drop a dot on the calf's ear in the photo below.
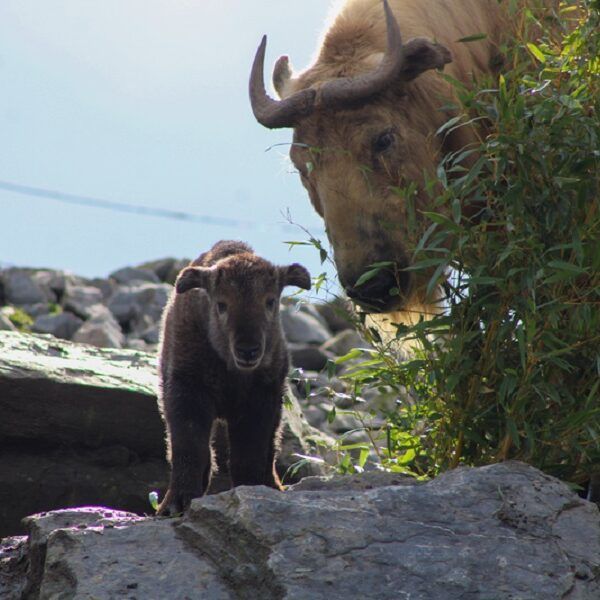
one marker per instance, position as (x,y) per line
(193,277)
(295,275)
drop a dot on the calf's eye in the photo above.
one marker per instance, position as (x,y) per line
(383,141)
(270,303)
(221,308)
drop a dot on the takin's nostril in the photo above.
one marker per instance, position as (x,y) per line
(247,352)
(384,292)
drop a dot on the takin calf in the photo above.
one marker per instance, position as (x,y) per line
(223,357)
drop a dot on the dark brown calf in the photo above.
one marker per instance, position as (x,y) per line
(223,357)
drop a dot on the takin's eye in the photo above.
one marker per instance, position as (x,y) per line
(383,141)
(270,303)
(221,308)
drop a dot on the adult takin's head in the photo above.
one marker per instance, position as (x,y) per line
(243,292)
(365,117)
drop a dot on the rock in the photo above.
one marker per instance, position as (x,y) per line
(101,329)
(41,476)
(337,314)
(79,299)
(345,422)
(128,275)
(36,310)
(62,325)
(6,324)
(151,335)
(302,328)
(362,481)
(13,567)
(310,309)
(506,531)
(64,406)
(166,269)
(343,342)
(137,307)
(57,281)
(56,391)
(81,424)
(106,286)
(315,416)
(309,357)
(134,343)
(20,287)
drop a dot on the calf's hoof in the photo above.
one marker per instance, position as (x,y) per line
(175,503)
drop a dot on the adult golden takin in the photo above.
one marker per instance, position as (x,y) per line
(365,117)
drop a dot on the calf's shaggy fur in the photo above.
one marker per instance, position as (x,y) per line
(223,357)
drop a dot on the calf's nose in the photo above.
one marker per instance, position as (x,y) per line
(247,351)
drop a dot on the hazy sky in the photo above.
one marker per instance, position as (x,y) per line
(145,102)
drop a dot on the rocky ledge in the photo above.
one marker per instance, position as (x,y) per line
(122,311)
(505,532)
(80,425)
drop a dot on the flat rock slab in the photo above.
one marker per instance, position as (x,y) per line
(81,425)
(501,532)
(59,392)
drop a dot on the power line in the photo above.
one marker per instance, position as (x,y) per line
(28,190)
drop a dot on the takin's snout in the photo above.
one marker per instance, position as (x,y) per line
(386,291)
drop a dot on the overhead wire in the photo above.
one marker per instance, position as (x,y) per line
(164,213)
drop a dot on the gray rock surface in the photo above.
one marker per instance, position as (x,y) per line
(138,306)
(81,425)
(6,324)
(338,314)
(101,329)
(62,325)
(128,275)
(301,327)
(344,341)
(503,532)
(79,299)
(20,287)
(166,269)
(309,357)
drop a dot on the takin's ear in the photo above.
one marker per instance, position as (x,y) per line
(420,55)
(295,275)
(193,277)
(282,73)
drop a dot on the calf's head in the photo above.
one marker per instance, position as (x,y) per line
(363,132)
(243,294)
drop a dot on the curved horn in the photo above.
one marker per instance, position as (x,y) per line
(276,113)
(399,63)
(353,89)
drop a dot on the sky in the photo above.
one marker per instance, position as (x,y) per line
(145,103)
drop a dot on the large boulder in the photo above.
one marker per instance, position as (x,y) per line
(128,275)
(24,286)
(504,532)
(101,329)
(81,425)
(80,299)
(139,305)
(61,325)
(301,327)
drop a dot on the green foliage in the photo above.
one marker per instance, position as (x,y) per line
(513,364)
(510,368)
(19,318)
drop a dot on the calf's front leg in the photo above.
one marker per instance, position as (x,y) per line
(252,441)
(189,427)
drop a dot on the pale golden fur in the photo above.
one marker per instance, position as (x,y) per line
(349,186)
